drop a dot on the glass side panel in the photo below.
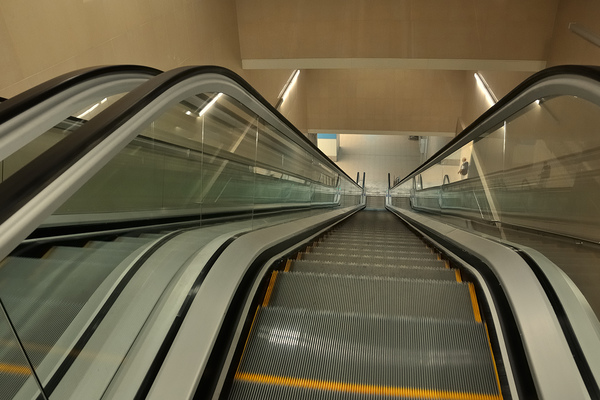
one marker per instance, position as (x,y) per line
(16,377)
(54,134)
(205,158)
(538,173)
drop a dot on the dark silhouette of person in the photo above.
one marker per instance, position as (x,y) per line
(464,168)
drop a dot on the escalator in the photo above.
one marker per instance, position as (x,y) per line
(367,311)
(189,243)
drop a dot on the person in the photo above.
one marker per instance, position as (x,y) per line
(464,168)
(544,174)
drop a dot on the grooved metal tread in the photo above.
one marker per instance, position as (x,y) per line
(374,270)
(368,236)
(375,245)
(369,242)
(374,295)
(367,313)
(384,251)
(408,261)
(342,354)
(330,251)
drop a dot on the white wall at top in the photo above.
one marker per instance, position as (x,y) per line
(377,155)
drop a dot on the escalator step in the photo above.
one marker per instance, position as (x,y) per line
(384,252)
(133,240)
(375,295)
(374,246)
(370,242)
(373,254)
(342,355)
(101,256)
(116,246)
(374,270)
(358,259)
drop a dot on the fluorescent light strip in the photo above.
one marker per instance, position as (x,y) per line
(485,88)
(585,33)
(209,105)
(89,110)
(290,85)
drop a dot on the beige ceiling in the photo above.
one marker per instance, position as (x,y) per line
(393,66)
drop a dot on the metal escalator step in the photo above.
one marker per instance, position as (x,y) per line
(347,354)
(358,259)
(374,270)
(117,246)
(368,235)
(374,246)
(381,250)
(375,242)
(101,256)
(40,321)
(28,268)
(350,252)
(129,239)
(375,295)
(152,236)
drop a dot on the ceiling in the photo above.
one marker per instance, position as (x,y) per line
(392,66)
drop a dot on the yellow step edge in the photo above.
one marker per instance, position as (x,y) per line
(457,274)
(288,265)
(270,289)
(299,256)
(356,388)
(474,302)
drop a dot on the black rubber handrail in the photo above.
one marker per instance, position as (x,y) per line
(591,72)
(13,106)
(30,180)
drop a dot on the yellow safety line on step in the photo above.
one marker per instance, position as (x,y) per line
(15,369)
(361,388)
(457,274)
(487,333)
(474,303)
(439,256)
(447,264)
(299,256)
(270,289)
(288,265)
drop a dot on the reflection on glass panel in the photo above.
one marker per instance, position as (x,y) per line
(205,156)
(16,377)
(54,135)
(229,157)
(539,170)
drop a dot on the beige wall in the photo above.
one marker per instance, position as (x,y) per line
(40,39)
(385,100)
(269,84)
(457,29)
(475,103)
(567,47)
(378,155)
